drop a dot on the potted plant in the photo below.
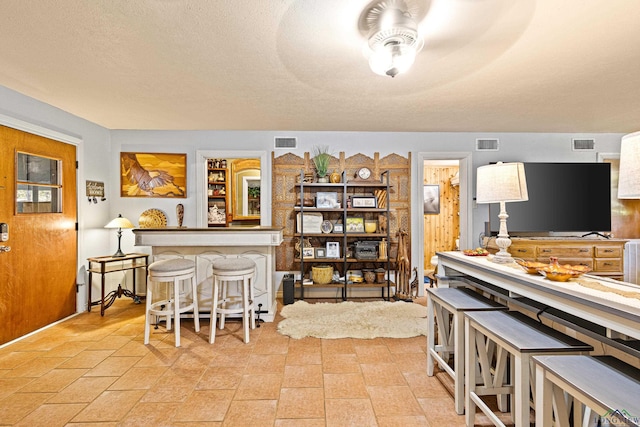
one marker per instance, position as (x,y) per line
(321,158)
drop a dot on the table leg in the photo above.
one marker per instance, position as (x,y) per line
(89,290)
(102,295)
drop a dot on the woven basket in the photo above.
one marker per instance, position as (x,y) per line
(322,274)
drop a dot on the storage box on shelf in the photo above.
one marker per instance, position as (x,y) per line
(604,257)
(347,222)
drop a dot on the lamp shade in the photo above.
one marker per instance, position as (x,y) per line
(629,175)
(119,222)
(501,182)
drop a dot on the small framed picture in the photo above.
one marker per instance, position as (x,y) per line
(326,226)
(327,200)
(355,224)
(337,227)
(364,202)
(307,253)
(333,250)
(321,253)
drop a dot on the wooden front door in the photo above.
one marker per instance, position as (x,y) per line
(38,204)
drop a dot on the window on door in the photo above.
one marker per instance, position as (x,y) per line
(38,184)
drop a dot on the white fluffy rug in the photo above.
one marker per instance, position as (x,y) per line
(350,319)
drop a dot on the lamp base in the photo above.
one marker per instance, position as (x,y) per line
(119,254)
(502,258)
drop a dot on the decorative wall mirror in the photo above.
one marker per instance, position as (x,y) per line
(245,189)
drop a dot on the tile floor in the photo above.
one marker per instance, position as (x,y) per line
(93,370)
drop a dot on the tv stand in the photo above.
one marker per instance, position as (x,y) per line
(595,233)
(605,257)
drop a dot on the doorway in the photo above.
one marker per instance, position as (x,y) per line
(38,206)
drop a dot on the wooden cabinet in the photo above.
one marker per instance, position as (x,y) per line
(344,225)
(217,193)
(604,257)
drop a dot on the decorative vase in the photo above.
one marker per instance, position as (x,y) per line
(334,177)
(323,179)
(180,214)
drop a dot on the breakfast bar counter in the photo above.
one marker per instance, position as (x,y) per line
(609,303)
(203,245)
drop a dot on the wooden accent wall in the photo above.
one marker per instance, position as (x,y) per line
(441,230)
(286,173)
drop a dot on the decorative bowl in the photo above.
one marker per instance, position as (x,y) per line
(322,274)
(559,274)
(531,267)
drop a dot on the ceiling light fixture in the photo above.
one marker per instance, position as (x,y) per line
(393,39)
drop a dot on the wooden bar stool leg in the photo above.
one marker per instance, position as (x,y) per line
(196,309)
(147,317)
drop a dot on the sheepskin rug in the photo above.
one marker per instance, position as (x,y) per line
(348,319)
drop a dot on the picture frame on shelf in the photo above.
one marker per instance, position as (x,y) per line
(333,250)
(364,202)
(355,224)
(326,226)
(308,253)
(327,200)
(338,227)
(321,253)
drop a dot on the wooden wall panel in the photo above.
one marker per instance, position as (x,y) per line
(286,172)
(441,230)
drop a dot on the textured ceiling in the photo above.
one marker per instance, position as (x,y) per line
(487,65)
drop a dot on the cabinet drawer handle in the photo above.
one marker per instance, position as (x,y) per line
(608,250)
(521,250)
(546,250)
(584,250)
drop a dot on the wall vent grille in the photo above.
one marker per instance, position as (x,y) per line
(583,144)
(282,142)
(487,144)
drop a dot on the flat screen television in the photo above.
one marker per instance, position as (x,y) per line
(563,197)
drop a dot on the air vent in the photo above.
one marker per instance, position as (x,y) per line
(286,142)
(583,144)
(485,144)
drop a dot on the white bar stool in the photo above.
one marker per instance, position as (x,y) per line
(171,271)
(227,270)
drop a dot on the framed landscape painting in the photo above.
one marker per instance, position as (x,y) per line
(153,175)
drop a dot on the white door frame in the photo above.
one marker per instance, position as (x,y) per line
(466,202)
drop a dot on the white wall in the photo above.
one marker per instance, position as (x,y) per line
(100,150)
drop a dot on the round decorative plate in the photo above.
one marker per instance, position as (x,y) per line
(153,218)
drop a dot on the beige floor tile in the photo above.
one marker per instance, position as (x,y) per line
(54,380)
(304,358)
(350,412)
(83,390)
(340,364)
(159,394)
(68,349)
(405,421)
(36,367)
(139,378)
(423,385)
(133,348)
(259,386)
(382,374)
(205,405)
(18,405)
(393,401)
(86,359)
(113,366)
(158,357)
(441,411)
(111,342)
(109,406)
(303,376)
(373,354)
(219,378)
(150,414)
(344,386)
(272,345)
(301,403)
(342,346)
(266,364)
(13,359)
(251,413)
(52,415)
(9,386)
(298,422)
(406,345)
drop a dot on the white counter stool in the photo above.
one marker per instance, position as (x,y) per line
(242,271)
(172,272)
(605,385)
(445,308)
(518,337)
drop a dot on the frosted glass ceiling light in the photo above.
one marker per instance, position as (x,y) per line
(393,39)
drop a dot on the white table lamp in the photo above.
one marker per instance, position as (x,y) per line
(501,183)
(629,174)
(120,222)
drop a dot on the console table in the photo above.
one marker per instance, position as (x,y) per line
(604,302)
(108,264)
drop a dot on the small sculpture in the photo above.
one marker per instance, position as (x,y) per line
(180,214)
